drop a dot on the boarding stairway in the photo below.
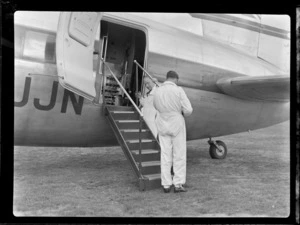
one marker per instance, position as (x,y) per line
(140,147)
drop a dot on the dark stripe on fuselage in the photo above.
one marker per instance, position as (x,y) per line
(245,24)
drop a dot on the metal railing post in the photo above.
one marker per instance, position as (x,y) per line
(136,82)
(136,74)
(103,81)
(145,72)
(140,145)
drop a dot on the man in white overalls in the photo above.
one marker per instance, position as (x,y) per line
(172,105)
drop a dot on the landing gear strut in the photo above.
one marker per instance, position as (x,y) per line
(217,149)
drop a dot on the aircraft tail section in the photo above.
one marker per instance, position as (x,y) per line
(259,88)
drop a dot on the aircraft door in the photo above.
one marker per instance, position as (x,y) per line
(74,51)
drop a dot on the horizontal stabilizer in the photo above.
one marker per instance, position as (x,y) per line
(260,88)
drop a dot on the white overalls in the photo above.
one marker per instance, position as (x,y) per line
(172,103)
(149,111)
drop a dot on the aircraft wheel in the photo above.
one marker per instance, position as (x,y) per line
(218,153)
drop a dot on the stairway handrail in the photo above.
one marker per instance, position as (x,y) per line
(121,86)
(146,73)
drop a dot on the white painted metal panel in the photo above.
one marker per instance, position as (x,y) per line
(275,50)
(239,38)
(74,50)
(81,26)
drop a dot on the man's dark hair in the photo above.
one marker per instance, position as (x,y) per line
(172,74)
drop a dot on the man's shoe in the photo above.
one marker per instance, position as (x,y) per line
(167,190)
(179,189)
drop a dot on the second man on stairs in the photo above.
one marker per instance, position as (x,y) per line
(146,102)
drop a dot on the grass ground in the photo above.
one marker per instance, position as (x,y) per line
(253,180)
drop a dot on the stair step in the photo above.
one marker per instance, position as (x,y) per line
(112,84)
(134,130)
(150,163)
(138,141)
(130,124)
(153,176)
(145,145)
(119,108)
(145,151)
(110,78)
(125,115)
(131,134)
(111,90)
(120,112)
(150,167)
(109,95)
(153,182)
(146,155)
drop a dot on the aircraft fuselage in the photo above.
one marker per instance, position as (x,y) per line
(46,114)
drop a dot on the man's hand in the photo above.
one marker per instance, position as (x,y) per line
(138,95)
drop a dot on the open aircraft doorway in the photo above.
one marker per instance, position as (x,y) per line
(118,47)
(85,43)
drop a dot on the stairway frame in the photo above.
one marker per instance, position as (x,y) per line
(143,182)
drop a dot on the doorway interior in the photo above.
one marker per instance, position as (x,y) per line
(118,46)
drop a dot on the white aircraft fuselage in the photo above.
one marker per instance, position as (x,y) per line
(47,114)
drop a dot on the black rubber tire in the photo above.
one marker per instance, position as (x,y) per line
(215,153)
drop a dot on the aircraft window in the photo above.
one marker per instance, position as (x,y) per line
(39,46)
